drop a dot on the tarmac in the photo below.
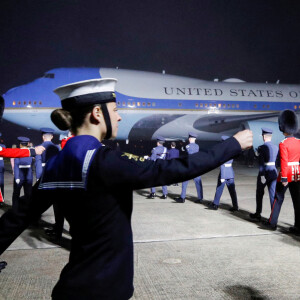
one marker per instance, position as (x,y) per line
(182,251)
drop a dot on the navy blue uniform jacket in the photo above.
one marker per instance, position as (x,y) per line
(93,186)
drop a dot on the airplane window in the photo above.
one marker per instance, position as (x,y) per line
(179,104)
(201,104)
(219,105)
(295,106)
(24,102)
(118,103)
(144,103)
(123,103)
(19,102)
(153,104)
(34,102)
(148,104)
(205,104)
(255,106)
(228,105)
(138,103)
(40,102)
(29,102)
(268,106)
(128,104)
(237,106)
(232,105)
(133,103)
(224,105)
(196,105)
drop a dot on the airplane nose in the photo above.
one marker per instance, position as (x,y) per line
(2,105)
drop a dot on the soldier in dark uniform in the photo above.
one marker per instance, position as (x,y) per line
(191,148)
(40,161)
(101,258)
(226,176)
(289,175)
(267,174)
(50,150)
(173,152)
(159,152)
(23,176)
(2,169)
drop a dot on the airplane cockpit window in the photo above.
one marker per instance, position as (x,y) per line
(49,75)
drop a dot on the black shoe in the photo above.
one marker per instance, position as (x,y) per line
(233,209)
(213,206)
(179,200)
(3,264)
(175,184)
(269,226)
(163,197)
(294,230)
(53,234)
(198,201)
(255,216)
(151,196)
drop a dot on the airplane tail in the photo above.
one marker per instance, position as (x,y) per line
(1,197)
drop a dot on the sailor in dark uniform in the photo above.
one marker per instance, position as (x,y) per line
(23,176)
(101,258)
(267,174)
(2,169)
(173,152)
(50,150)
(226,176)
(191,148)
(159,152)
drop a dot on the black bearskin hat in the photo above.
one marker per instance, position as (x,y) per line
(288,121)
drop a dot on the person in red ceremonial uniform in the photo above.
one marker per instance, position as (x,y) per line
(289,175)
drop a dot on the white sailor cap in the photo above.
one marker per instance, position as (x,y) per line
(87,92)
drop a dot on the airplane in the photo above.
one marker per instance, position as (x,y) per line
(158,104)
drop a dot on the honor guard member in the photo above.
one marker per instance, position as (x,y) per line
(159,152)
(23,176)
(226,176)
(13,153)
(191,148)
(289,175)
(85,172)
(2,169)
(267,174)
(50,150)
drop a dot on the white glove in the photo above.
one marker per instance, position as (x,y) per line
(222,180)
(17,181)
(262,179)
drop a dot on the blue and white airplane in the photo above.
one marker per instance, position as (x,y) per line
(153,104)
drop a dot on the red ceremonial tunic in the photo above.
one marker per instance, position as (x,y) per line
(14,152)
(289,150)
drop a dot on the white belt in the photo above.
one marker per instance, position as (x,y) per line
(270,164)
(43,164)
(227,165)
(24,166)
(294,163)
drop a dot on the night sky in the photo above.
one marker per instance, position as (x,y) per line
(256,41)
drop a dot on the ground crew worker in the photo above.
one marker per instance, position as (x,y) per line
(289,175)
(101,257)
(267,174)
(226,176)
(191,148)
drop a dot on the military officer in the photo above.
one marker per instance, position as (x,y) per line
(226,176)
(289,175)
(191,148)
(159,152)
(50,150)
(267,174)
(100,263)
(23,176)
(2,169)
